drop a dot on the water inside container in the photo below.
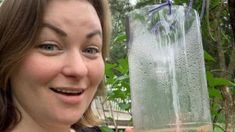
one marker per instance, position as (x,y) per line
(167,72)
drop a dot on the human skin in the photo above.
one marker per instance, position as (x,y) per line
(129,130)
(67,56)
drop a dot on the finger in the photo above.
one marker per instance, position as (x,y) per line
(129,130)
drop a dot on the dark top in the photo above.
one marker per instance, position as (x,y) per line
(91,129)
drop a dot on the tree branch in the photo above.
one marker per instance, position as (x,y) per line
(220,51)
(231,66)
(208,21)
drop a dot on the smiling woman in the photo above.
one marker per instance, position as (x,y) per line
(52,56)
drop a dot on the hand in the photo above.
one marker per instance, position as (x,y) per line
(129,130)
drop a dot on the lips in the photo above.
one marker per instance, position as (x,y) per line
(67,91)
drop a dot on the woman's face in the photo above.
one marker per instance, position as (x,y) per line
(58,78)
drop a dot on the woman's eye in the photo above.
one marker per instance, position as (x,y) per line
(49,47)
(91,50)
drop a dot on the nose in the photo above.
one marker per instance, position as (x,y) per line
(75,65)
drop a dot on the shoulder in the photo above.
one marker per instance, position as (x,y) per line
(91,129)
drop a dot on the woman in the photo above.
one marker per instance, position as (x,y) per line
(52,56)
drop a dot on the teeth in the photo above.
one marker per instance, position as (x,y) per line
(67,91)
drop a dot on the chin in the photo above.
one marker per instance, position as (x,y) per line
(68,122)
(68,119)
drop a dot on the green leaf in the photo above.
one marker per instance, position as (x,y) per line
(123,65)
(210,79)
(208,57)
(218,129)
(213,81)
(108,69)
(124,77)
(222,82)
(106,129)
(214,93)
(120,38)
(123,62)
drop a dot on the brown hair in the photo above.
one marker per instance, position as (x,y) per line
(20,22)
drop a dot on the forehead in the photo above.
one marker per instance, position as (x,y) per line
(71,12)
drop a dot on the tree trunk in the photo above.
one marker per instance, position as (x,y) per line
(226,92)
(228,108)
(231,6)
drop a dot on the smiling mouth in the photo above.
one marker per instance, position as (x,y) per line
(67,92)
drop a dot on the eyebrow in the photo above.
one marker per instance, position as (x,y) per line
(63,33)
(56,29)
(96,32)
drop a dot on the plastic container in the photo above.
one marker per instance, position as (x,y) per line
(167,71)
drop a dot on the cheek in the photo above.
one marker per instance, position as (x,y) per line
(38,68)
(97,72)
